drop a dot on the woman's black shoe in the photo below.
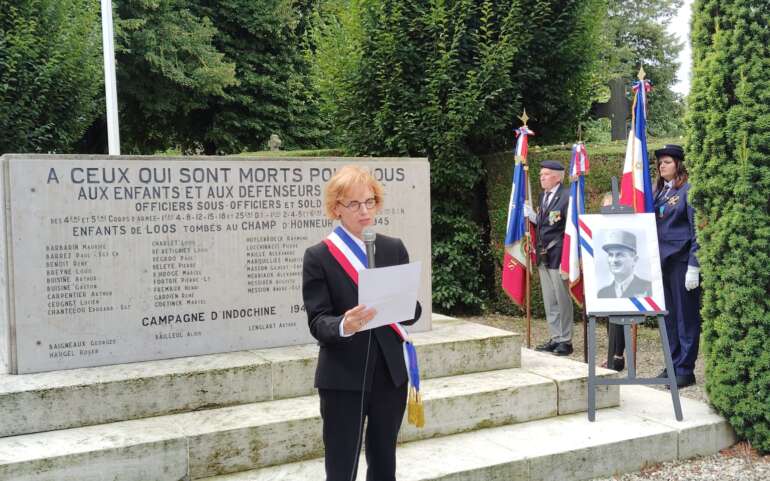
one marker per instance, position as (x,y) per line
(685,380)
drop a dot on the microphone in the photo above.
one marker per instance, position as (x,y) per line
(369,236)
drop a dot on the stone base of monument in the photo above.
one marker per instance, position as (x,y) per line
(494,411)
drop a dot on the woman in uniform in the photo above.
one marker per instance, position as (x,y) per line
(679,263)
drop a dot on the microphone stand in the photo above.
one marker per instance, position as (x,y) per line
(369,238)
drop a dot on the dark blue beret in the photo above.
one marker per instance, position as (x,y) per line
(551,164)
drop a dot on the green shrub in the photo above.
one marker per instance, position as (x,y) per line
(729,162)
(50,73)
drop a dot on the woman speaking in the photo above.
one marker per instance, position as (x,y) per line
(681,272)
(360,374)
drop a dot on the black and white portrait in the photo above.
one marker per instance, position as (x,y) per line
(621,274)
(621,263)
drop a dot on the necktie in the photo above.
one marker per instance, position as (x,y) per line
(666,189)
(546,199)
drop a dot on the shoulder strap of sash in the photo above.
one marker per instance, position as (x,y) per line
(346,252)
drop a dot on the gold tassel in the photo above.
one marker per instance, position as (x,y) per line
(415,410)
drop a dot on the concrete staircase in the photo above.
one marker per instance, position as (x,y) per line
(493,410)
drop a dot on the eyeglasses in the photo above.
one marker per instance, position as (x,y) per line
(354,205)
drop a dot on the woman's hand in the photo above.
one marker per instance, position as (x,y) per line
(355,319)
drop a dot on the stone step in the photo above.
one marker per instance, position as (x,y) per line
(640,433)
(82,397)
(244,437)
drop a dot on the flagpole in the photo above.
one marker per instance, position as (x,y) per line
(110,84)
(528,283)
(583,310)
(528,275)
(573,179)
(640,76)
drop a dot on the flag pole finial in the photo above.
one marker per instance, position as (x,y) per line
(580,131)
(524,117)
(642,73)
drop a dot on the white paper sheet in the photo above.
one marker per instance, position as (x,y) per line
(391,290)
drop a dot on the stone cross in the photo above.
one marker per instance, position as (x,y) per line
(616,109)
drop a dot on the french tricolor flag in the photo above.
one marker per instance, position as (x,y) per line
(570,254)
(516,247)
(636,186)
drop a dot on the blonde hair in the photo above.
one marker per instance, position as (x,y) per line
(344,180)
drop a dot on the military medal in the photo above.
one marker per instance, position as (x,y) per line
(554,216)
(673,200)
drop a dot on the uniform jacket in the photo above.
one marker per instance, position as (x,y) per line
(637,288)
(328,292)
(551,223)
(676,227)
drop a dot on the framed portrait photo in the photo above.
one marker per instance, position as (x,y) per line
(621,264)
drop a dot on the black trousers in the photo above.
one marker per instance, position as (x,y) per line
(616,341)
(383,409)
(683,321)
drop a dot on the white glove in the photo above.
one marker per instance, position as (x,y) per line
(530,213)
(692,278)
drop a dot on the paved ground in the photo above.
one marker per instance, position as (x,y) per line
(650,354)
(739,463)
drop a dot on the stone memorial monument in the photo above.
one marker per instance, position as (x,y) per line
(109,260)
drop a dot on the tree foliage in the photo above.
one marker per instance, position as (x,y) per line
(333,53)
(50,73)
(559,66)
(635,34)
(729,159)
(446,79)
(214,77)
(264,39)
(167,68)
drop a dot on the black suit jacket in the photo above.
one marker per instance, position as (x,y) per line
(637,288)
(328,292)
(550,235)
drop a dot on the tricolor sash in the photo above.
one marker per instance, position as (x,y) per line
(352,259)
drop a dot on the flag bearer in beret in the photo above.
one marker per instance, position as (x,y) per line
(551,220)
(679,263)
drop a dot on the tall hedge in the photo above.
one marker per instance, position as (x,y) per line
(446,80)
(729,161)
(50,73)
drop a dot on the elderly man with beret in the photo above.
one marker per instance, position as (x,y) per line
(551,220)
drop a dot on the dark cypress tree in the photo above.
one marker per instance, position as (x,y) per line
(729,160)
